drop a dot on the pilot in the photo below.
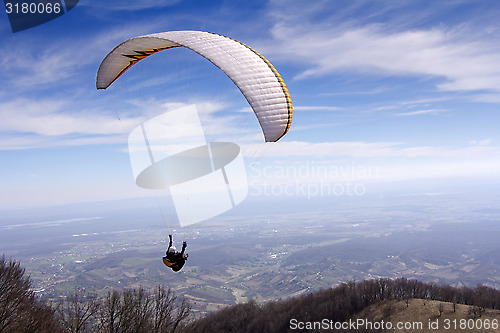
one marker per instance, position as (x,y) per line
(174,259)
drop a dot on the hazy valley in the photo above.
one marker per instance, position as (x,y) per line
(257,253)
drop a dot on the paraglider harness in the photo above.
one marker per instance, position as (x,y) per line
(173,259)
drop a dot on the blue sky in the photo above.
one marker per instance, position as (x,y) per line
(382,91)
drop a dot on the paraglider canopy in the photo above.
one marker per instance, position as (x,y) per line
(255,76)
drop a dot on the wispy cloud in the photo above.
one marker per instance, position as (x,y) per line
(487,98)
(316,108)
(30,64)
(374,91)
(360,149)
(53,118)
(32,141)
(57,122)
(321,162)
(421,112)
(462,58)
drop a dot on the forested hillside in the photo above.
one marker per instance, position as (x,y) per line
(136,310)
(338,305)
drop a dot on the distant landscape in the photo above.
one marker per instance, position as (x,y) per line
(257,252)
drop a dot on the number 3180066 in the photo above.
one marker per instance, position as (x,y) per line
(32,8)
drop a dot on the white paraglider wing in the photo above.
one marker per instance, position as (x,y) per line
(256,77)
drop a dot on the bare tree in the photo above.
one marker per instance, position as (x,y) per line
(136,314)
(77,312)
(132,310)
(163,309)
(136,310)
(109,313)
(182,314)
(20,310)
(14,290)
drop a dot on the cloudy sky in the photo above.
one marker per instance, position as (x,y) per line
(382,91)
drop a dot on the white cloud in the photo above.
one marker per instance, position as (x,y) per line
(316,108)
(483,142)
(56,122)
(53,118)
(461,57)
(374,91)
(361,149)
(29,63)
(487,98)
(421,112)
(305,162)
(30,141)
(53,122)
